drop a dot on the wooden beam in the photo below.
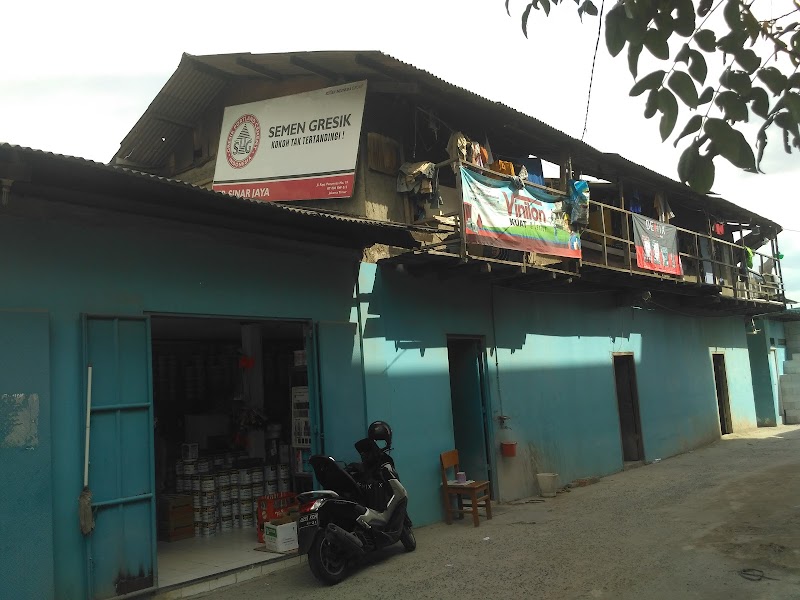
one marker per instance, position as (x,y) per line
(261,70)
(315,69)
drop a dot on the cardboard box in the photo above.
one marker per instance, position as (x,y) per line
(280,535)
(179,533)
(175,511)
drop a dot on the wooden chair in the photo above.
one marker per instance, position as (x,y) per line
(477,492)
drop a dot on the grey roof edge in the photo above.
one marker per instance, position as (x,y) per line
(382,231)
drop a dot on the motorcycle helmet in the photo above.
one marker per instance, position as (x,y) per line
(380,431)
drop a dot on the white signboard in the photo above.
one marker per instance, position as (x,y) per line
(300,147)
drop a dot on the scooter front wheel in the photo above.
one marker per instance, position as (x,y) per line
(327,563)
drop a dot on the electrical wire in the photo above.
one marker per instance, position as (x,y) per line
(591,77)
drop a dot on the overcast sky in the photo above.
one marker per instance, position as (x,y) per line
(77,76)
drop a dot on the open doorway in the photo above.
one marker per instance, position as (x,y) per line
(232,424)
(467,377)
(628,403)
(723,401)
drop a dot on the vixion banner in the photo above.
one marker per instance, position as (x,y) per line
(299,147)
(500,215)
(656,245)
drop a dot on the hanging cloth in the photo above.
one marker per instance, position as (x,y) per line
(489,156)
(719,229)
(662,208)
(748,257)
(457,148)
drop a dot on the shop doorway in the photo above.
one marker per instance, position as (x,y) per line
(628,404)
(233,419)
(723,401)
(468,399)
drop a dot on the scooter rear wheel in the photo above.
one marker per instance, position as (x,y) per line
(327,564)
(407,539)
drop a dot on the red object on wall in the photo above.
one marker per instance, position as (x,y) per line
(508,449)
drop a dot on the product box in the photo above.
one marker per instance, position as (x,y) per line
(280,535)
(175,517)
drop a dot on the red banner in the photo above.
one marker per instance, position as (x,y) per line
(307,188)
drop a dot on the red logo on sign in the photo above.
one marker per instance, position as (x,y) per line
(243,140)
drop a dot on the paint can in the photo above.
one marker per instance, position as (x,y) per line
(270,473)
(246,508)
(225,509)
(244,477)
(195,483)
(247,520)
(219,461)
(189,468)
(283,472)
(207,483)
(284,485)
(179,468)
(234,492)
(179,485)
(196,500)
(235,508)
(197,527)
(208,529)
(208,499)
(237,522)
(203,466)
(224,478)
(207,515)
(226,523)
(245,492)
(256,475)
(271,488)
(234,477)
(258,490)
(186,484)
(224,494)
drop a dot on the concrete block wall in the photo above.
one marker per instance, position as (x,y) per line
(790,380)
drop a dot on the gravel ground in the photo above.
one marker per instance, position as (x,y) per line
(681,528)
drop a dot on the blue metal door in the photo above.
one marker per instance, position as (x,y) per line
(122,548)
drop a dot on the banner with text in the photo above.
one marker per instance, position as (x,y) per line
(299,147)
(656,245)
(531,220)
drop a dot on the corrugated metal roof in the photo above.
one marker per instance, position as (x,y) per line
(198,79)
(79,174)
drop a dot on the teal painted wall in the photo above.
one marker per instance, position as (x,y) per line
(548,357)
(67,269)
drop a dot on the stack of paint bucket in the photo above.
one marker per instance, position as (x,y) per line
(235,512)
(246,498)
(223,480)
(208,505)
(194,486)
(257,479)
(284,481)
(271,480)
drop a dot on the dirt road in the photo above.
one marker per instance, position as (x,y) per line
(681,528)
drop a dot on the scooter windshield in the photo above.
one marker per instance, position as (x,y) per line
(332,477)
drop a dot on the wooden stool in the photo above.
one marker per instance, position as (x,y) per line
(471,491)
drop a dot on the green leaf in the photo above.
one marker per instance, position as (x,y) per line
(793,104)
(684,21)
(656,42)
(732,13)
(663,21)
(648,82)
(634,50)
(775,80)
(733,105)
(701,177)
(703,7)
(651,106)
(794,81)
(634,28)
(683,54)
(761,144)
(507,9)
(683,86)
(784,120)
(692,125)
(759,102)
(546,6)
(669,111)
(786,145)
(686,162)
(739,82)
(749,60)
(615,38)
(731,144)
(590,8)
(706,40)
(526,13)
(706,97)
(697,66)
(733,43)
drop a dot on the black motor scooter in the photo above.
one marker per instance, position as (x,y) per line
(348,519)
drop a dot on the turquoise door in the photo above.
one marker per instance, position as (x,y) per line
(469,407)
(121,551)
(340,405)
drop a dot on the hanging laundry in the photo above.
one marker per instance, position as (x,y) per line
(748,257)
(719,228)
(534,168)
(489,156)
(636,203)
(579,199)
(457,148)
(502,166)
(662,208)
(474,154)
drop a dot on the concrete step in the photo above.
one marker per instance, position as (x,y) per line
(792,417)
(792,367)
(790,403)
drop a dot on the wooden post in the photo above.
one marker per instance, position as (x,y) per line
(463,224)
(713,251)
(778,270)
(628,222)
(605,239)
(746,285)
